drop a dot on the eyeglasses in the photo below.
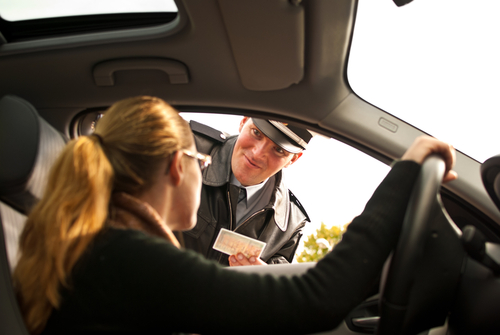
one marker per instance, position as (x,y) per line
(203,160)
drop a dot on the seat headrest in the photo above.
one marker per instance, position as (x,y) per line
(28,148)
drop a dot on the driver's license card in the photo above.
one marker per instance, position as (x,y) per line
(231,243)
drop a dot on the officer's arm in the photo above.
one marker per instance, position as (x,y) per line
(298,219)
(287,252)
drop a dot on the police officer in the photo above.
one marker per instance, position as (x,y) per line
(243,189)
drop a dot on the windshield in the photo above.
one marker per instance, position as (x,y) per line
(434,64)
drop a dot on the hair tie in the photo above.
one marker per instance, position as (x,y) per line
(99,138)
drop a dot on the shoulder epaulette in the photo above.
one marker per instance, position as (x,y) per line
(207,131)
(296,201)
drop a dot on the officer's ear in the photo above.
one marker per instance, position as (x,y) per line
(242,122)
(294,158)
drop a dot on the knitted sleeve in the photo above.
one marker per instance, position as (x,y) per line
(135,282)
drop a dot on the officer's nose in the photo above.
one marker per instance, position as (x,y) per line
(260,148)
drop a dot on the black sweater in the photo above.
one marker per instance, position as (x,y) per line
(129,282)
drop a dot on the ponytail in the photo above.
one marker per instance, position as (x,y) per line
(131,140)
(60,227)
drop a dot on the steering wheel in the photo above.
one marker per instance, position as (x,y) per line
(422,205)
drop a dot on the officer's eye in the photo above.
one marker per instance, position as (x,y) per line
(256,132)
(281,152)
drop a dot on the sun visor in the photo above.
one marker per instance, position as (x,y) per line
(268,45)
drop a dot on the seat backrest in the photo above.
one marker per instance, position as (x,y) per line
(28,148)
(11,321)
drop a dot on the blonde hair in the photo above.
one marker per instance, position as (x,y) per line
(132,139)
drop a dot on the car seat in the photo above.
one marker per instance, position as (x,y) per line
(28,148)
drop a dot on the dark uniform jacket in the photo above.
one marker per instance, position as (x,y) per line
(279,224)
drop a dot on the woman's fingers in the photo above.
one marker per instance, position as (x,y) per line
(424,146)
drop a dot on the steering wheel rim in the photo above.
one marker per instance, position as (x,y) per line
(408,253)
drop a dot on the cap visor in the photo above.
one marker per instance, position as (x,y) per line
(276,136)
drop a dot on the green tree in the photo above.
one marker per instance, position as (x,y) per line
(318,244)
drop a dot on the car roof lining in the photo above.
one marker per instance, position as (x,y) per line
(200,35)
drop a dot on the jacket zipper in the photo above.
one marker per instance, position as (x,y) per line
(230,218)
(249,218)
(230,211)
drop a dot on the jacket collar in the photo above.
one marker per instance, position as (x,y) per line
(281,201)
(219,173)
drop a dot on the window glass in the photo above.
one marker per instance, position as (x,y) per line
(332,180)
(18,10)
(434,64)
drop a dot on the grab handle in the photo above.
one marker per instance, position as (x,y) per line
(103,72)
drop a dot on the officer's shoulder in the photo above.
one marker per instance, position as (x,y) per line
(200,129)
(296,202)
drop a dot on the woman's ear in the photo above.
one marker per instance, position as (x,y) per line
(176,170)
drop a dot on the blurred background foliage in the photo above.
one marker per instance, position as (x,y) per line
(318,244)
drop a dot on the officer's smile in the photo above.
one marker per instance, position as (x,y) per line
(251,163)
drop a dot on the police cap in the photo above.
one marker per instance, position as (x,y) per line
(290,138)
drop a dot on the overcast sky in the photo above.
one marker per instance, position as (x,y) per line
(435,64)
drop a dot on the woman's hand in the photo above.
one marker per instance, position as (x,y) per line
(240,259)
(424,146)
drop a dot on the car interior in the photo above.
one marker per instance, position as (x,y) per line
(283,60)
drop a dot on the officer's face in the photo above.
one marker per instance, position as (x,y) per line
(255,157)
